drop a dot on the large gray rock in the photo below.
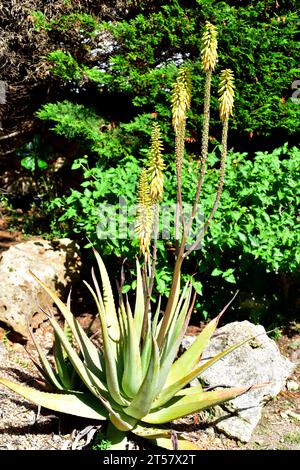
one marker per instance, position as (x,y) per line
(55,263)
(257,361)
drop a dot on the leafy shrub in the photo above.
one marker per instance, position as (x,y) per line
(258,41)
(256,229)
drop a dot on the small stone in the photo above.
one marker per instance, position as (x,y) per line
(292,385)
(210,431)
(283,415)
(259,442)
(295,345)
(293,414)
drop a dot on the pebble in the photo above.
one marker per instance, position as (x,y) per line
(210,431)
(293,414)
(292,385)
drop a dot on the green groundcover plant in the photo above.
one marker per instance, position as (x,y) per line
(136,380)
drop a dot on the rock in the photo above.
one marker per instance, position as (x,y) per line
(2,352)
(57,263)
(257,361)
(293,414)
(292,386)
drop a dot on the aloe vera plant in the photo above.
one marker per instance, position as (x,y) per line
(136,380)
(131,382)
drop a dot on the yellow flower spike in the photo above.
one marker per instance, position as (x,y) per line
(144,214)
(226,92)
(181,97)
(156,165)
(209,55)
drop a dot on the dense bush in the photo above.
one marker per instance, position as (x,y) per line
(255,230)
(135,58)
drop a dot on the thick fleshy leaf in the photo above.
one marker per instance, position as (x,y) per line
(139,303)
(180,312)
(163,438)
(77,404)
(91,381)
(168,392)
(45,368)
(64,368)
(92,356)
(181,443)
(109,355)
(183,405)
(174,338)
(146,349)
(132,374)
(190,358)
(109,303)
(142,402)
(118,440)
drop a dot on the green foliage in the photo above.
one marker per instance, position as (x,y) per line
(257,41)
(34,155)
(65,66)
(256,222)
(40,22)
(75,121)
(101,443)
(258,211)
(84,23)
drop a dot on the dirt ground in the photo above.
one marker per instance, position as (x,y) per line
(23,427)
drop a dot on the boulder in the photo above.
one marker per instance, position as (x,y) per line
(258,361)
(57,263)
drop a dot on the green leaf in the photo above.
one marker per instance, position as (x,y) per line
(190,358)
(132,375)
(126,288)
(216,272)
(142,402)
(111,319)
(28,163)
(162,438)
(77,404)
(46,368)
(181,406)
(230,279)
(139,303)
(109,353)
(90,353)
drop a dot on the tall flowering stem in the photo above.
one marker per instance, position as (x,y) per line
(181,101)
(209,59)
(144,215)
(156,182)
(226,102)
